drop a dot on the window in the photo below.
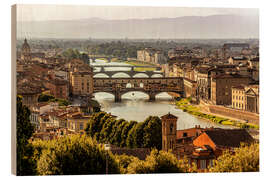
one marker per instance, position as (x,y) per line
(211,162)
(171,128)
(184,134)
(81,126)
(203,164)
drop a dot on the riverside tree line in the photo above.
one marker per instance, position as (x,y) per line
(85,154)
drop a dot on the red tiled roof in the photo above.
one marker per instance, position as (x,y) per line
(239,87)
(229,137)
(169,116)
(229,76)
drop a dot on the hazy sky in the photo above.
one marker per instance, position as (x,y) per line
(67,12)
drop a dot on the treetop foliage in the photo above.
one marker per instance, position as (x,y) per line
(158,162)
(73,155)
(243,159)
(106,129)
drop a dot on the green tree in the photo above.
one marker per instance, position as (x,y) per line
(139,134)
(125,132)
(153,133)
(75,155)
(24,130)
(116,132)
(130,142)
(95,124)
(124,161)
(45,98)
(157,162)
(107,129)
(243,159)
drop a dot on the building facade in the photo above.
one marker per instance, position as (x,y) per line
(77,122)
(168,132)
(200,145)
(246,98)
(59,88)
(151,55)
(81,83)
(221,84)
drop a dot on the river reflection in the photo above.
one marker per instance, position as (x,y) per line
(135,106)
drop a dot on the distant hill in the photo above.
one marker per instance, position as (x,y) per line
(217,26)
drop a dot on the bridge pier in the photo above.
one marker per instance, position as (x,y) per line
(102,69)
(117,97)
(152,96)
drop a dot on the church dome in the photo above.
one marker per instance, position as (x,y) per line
(25,46)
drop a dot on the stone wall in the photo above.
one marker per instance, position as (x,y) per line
(238,114)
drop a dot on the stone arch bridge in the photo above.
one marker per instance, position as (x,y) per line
(150,86)
(130,73)
(94,57)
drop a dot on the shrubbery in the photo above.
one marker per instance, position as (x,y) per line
(244,159)
(50,98)
(158,162)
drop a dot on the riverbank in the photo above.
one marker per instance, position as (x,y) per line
(185,105)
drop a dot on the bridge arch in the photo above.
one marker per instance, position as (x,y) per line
(101,75)
(125,73)
(96,93)
(140,91)
(156,75)
(140,73)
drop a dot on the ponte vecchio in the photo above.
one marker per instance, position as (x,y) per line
(151,86)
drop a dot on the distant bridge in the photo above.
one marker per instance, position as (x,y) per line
(150,86)
(94,57)
(130,73)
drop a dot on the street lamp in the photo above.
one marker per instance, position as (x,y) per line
(107,149)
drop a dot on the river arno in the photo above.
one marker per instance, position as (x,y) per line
(135,105)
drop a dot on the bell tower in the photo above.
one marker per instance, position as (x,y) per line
(169,122)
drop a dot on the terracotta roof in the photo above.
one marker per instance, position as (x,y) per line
(140,153)
(231,75)
(255,59)
(229,137)
(28,88)
(239,87)
(169,116)
(57,81)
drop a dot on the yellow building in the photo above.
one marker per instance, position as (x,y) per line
(238,97)
(77,122)
(246,98)
(81,83)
